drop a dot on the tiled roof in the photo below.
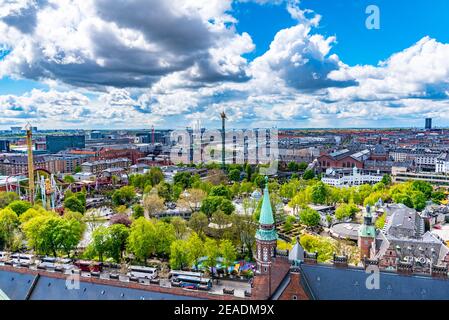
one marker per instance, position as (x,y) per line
(330,283)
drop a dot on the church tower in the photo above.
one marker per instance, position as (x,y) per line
(367,234)
(266,237)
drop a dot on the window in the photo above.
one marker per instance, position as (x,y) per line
(295,297)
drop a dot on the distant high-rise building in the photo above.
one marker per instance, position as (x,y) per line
(428,123)
(59,143)
(4,146)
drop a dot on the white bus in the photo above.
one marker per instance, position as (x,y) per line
(176,273)
(142,272)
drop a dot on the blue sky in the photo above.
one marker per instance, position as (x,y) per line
(100,64)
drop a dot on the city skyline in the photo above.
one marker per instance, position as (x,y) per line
(289,64)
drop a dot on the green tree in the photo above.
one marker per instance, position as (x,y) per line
(212,251)
(293,166)
(70,231)
(165,190)
(7,197)
(74,204)
(309,217)
(212,204)
(195,248)
(438,196)
(308,175)
(78,169)
(100,242)
(118,237)
(198,222)
(69,179)
(320,193)
(234,175)
(141,241)
(303,166)
(179,258)
(123,196)
(153,204)
(19,206)
(220,191)
(323,246)
(9,222)
(228,253)
(138,211)
(180,227)
(386,180)
(345,211)
(380,221)
(183,179)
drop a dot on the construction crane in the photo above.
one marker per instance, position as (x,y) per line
(29,140)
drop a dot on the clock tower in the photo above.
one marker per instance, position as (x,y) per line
(266,238)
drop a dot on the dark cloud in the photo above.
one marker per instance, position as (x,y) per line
(25,19)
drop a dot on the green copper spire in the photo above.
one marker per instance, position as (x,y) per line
(266,213)
(266,231)
(367,229)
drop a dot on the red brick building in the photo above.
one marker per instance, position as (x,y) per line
(131,154)
(343,159)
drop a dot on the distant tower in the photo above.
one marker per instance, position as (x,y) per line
(266,238)
(223,139)
(29,140)
(428,123)
(367,234)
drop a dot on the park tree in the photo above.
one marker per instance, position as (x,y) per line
(345,211)
(180,227)
(153,204)
(438,196)
(19,206)
(100,242)
(141,241)
(293,166)
(309,217)
(321,245)
(156,176)
(165,190)
(302,166)
(213,203)
(70,232)
(120,219)
(123,196)
(320,193)
(386,180)
(9,221)
(179,258)
(217,177)
(183,179)
(138,211)
(228,253)
(212,251)
(380,221)
(308,175)
(69,179)
(244,230)
(220,191)
(74,204)
(118,237)
(191,199)
(198,222)
(7,197)
(234,175)
(195,249)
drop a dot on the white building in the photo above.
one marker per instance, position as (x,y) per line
(442,163)
(353,177)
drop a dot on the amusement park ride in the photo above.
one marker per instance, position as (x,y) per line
(41,183)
